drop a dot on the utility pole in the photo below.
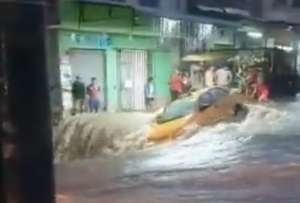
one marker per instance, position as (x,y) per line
(24,23)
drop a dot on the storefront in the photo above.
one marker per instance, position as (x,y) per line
(121,65)
(133,72)
(122,47)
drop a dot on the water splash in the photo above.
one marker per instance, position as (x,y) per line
(226,144)
(256,160)
(90,136)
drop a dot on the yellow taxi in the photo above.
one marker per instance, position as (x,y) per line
(206,107)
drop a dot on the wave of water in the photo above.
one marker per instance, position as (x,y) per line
(268,132)
(107,134)
(87,137)
(256,160)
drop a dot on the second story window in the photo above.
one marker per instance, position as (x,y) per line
(150,3)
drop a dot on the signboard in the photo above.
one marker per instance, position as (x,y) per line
(128,84)
(91,40)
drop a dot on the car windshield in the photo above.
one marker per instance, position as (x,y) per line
(178,109)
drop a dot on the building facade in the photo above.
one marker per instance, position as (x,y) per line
(123,42)
(119,46)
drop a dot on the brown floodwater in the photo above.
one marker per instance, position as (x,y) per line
(253,161)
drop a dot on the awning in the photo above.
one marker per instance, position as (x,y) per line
(209,56)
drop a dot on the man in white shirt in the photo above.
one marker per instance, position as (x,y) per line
(223,77)
(210,77)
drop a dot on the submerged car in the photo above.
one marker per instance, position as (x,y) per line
(204,108)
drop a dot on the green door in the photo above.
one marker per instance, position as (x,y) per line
(162,70)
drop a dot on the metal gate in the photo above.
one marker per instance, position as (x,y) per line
(133,77)
(88,64)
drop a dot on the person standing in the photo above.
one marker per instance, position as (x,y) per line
(187,83)
(210,77)
(149,93)
(93,93)
(78,95)
(224,77)
(261,90)
(251,81)
(176,85)
(197,76)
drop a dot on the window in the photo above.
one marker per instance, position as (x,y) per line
(150,3)
(296,3)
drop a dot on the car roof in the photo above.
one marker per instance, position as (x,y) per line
(196,94)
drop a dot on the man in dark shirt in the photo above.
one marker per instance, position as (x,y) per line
(78,94)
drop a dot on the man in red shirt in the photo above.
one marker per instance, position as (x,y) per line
(93,93)
(176,85)
(262,91)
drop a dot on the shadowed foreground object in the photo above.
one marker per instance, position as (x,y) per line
(24,28)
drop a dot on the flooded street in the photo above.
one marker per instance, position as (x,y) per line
(254,161)
(150,101)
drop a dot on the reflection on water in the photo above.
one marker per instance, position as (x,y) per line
(254,161)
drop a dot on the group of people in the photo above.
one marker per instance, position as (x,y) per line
(218,77)
(180,83)
(79,93)
(250,82)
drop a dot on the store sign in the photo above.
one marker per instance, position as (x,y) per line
(91,40)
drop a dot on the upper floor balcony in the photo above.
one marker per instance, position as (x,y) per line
(222,11)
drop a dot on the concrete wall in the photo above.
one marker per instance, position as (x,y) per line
(113,87)
(162,70)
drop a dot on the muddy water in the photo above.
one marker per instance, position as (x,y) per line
(254,161)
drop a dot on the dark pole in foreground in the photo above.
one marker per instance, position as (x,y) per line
(29,98)
(2,94)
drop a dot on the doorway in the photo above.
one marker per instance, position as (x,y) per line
(133,77)
(88,64)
